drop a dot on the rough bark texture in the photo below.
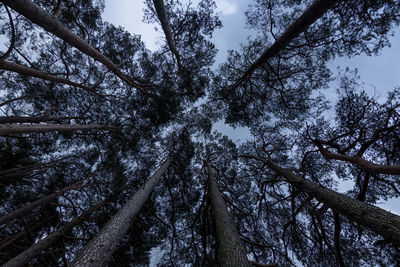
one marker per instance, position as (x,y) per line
(163,18)
(310,15)
(41,128)
(230,250)
(379,220)
(51,24)
(102,246)
(25,256)
(27,208)
(21,69)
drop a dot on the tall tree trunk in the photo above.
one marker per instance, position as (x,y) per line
(379,220)
(41,128)
(51,24)
(24,210)
(317,9)
(22,119)
(163,18)
(21,69)
(25,256)
(231,251)
(102,246)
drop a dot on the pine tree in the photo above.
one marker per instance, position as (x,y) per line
(88,112)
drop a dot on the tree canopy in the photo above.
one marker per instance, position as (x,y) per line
(107,154)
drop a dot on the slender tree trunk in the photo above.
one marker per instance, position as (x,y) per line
(363,188)
(163,18)
(19,171)
(18,68)
(21,119)
(12,100)
(379,220)
(338,250)
(25,256)
(317,9)
(11,239)
(41,128)
(99,250)
(51,24)
(231,251)
(24,210)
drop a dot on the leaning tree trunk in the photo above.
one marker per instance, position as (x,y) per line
(21,69)
(50,23)
(379,220)
(317,9)
(25,256)
(20,171)
(163,18)
(230,250)
(25,209)
(41,128)
(23,119)
(102,246)
(27,231)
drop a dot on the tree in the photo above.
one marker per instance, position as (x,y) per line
(88,112)
(99,250)
(230,248)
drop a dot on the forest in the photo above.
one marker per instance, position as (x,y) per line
(109,155)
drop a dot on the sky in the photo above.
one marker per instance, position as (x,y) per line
(379,73)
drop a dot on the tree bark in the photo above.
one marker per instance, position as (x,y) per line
(21,69)
(317,9)
(99,250)
(361,163)
(41,128)
(25,256)
(230,250)
(379,220)
(51,24)
(22,119)
(24,210)
(163,18)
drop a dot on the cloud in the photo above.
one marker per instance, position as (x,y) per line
(227,7)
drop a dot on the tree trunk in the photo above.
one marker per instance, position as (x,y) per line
(20,171)
(41,128)
(379,220)
(21,119)
(24,210)
(230,250)
(163,18)
(102,246)
(25,256)
(11,239)
(51,24)
(310,15)
(18,68)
